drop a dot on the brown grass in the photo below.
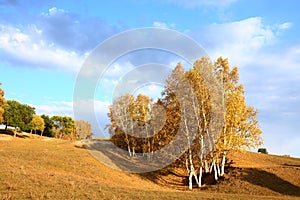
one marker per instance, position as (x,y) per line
(35,168)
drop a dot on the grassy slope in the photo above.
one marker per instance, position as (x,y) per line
(52,169)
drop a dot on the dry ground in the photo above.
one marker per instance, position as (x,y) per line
(42,168)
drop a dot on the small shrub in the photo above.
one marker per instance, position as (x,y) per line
(262,150)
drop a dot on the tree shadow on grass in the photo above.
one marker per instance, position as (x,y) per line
(165,177)
(180,181)
(10,132)
(114,157)
(271,181)
(292,165)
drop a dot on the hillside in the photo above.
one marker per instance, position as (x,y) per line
(43,168)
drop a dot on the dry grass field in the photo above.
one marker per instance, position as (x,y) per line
(43,168)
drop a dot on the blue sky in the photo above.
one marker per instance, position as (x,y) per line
(44,43)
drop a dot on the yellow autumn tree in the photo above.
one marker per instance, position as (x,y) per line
(241,128)
(37,124)
(2,104)
(189,103)
(120,114)
(141,116)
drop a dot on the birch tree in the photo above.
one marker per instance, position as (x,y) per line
(142,119)
(121,119)
(83,129)
(179,85)
(188,102)
(241,129)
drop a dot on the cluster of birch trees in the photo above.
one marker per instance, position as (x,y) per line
(140,125)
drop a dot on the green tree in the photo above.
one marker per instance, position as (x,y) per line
(38,124)
(262,150)
(18,115)
(64,127)
(48,126)
(2,104)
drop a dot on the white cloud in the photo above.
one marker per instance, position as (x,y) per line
(118,69)
(28,48)
(269,71)
(285,25)
(53,11)
(164,25)
(152,90)
(62,108)
(236,38)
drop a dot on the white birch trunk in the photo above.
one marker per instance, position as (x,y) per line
(215,170)
(218,169)
(149,150)
(200,177)
(190,181)
(206,167)
(129,151)
(192,173)
(201,162)
(223,164)
(211,167)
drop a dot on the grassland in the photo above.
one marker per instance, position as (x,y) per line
(42,168)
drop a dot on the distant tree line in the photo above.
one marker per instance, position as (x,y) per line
(130,116)
(23,118)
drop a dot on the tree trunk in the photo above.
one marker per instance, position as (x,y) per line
(215,170)
(223,164)
(206,167)
(200,177)
(149,150)
(15,133)
(152,148)
(5,128)
(211,167)
(190,180)
(42,133)
(201,161)
(218,169)
(129,150)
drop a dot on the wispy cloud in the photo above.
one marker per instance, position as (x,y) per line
(26,47)
(164,25)
(62,108)
(234,38)
(58,39)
